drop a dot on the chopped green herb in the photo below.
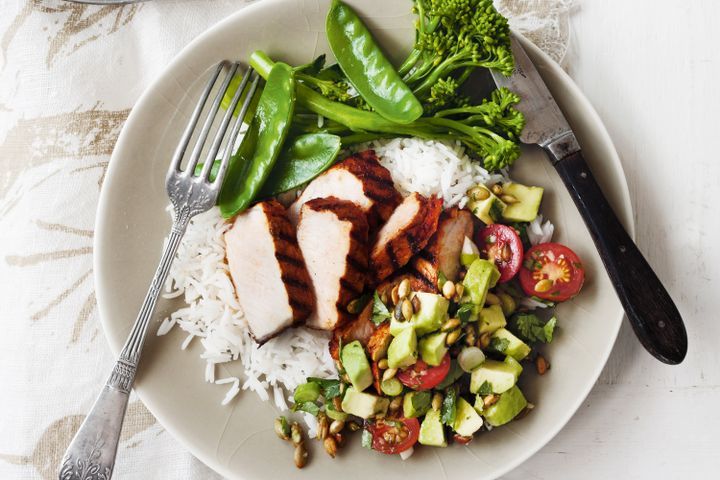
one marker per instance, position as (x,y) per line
(531,329)
(421,401)
(380,311)
(486,388)
(448,410)
(499,344)
(465,311)
(367,439)
(330,387)
(309,407)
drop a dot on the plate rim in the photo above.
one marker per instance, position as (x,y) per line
(626,215)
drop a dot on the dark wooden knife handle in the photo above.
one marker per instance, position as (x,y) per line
(651,311)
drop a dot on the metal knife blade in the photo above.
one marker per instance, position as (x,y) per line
(546,125)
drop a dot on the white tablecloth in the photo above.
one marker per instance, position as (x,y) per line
(69,75)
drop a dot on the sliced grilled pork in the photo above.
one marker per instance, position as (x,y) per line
(268,270)
(406,232)
(360,179)
(442,253)
(333,237)
(359,328)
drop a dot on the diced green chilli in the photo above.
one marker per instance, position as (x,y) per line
(367,68)
(307,392)
(391,387)
(262,143)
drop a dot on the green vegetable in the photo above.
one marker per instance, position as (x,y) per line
(467,420)
(262,143)
(489,129)
(301,160)
(511,403)
(367,68)
(503,341)
(470,358)
(531,329)
(449,407)
(309,407)
(416,404)
(432,432)
(499,344)
(334,414)
(455,373)
(356,365)
(485,389)
(307,392)
(329,387)
(380,312)
(391,386)
(455,36)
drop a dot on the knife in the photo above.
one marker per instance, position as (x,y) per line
(652,313)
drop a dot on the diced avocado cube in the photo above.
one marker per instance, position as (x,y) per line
(510,404)
(512,345)
(356,365)
(480,277)
(432,313)
(527,205)
(416,404)
(491,318)
(467,420)
(402,351)
(469,252)
(489,209)
(499,376)
(433,348)
(514,364)
(363,405)
(432,432)
(397,326)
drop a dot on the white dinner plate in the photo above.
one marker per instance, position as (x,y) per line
(238,440)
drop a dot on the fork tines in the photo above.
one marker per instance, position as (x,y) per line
(242,92)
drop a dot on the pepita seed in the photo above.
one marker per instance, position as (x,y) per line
(490,400)
(354,426)
(296,433)
(541,365)
(416,303)
(448,290)
(484,341)
(337,403)
(322,426)
(389,373)
(509,199)
(453,337)
(404,288)
(450,324)
(330,446)
(479,194)
(470,335)
(355,306)
(300,456)
(384,297)
(492,299)
(398,313)
(459,290)
(336,426)
(543,285)
(282,429)
(383,364)
(395,404)
(407,309)
(437,401)
(507,303)
(497,189)
(395,294)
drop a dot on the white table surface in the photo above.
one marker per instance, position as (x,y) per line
(651,70)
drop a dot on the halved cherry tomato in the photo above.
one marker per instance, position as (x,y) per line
(552,271)
(394,435)
(422,376)
(502,245)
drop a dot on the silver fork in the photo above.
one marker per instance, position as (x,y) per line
(91,454)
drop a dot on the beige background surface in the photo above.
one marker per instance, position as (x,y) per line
(69,74)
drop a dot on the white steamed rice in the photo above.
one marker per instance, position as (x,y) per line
(200,275)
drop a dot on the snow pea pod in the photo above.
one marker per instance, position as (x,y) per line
(301,160)
(367,68)
(262,143)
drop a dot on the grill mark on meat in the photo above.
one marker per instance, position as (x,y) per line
(348,285)
(294,261)
(357,264)
(421,276)
(292,281)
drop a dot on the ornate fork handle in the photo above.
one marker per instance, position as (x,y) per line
(91,454)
